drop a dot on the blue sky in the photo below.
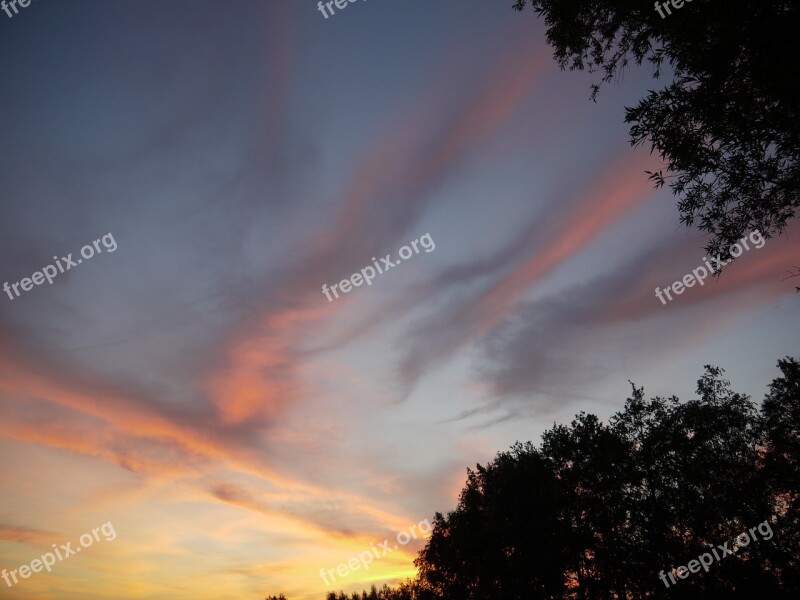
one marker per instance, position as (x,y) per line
(196,388)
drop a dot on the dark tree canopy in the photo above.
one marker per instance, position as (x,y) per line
(727,125)
(493,545)
(599,509)
(409,590)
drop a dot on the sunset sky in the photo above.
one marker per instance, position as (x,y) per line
(195,387)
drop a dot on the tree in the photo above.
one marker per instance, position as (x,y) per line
(727,125)
(695,482)
(505,539)
(407,590)
(592,465)
(781,417)
(795,273)
(600,509)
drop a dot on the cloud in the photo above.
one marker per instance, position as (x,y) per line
(384,197)
(20,533)
(472,314)
(536,351)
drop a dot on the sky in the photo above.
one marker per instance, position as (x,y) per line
(190,383)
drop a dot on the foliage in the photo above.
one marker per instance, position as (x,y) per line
(727,125)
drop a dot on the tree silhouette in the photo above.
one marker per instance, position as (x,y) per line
(409,590)
(481,548)
(600,510)
(781,418)
(795,273)
(727,125)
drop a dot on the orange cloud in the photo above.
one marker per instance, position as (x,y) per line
(18,533)
(615,193)
(259,379)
